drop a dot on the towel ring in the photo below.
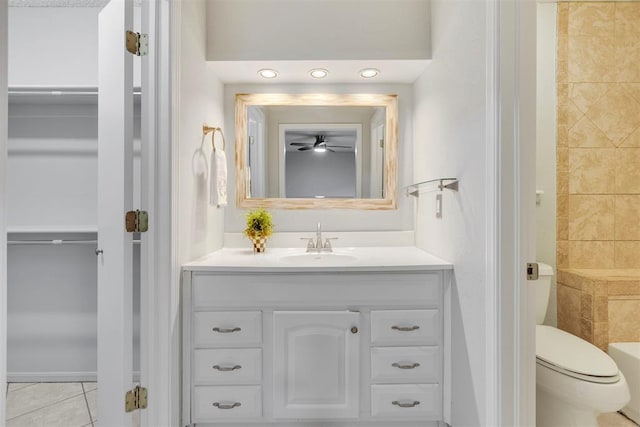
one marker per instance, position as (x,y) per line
(206,129)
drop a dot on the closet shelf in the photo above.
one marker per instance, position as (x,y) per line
(57,94)
(52,229)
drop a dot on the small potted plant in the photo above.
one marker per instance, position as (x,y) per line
(259,227)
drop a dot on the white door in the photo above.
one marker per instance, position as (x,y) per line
(115,198)
(316,364)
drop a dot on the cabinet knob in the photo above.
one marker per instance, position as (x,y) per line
(354,330)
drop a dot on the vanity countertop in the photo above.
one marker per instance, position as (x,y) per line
(405,258)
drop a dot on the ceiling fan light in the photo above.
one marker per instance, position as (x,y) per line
(268,73)
(320,149)
(318,73)
(368,73)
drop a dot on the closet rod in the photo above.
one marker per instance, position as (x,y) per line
(58,91)
(56,242)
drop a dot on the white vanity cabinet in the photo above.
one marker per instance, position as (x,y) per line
(279,347)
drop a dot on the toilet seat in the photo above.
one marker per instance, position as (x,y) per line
(573,356)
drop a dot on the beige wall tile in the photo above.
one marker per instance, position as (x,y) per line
(586,306)
(599,287)
(601,335)
(563,92)
(627,176)
(562,159)
(601,308)
(562,118)
(632,141)
(592,170)
(616,113)
(627,16)
(586,329)
(563,18)
(591,254)
(562,206)
(569,309)
(591,217)
(633,89)
(563,136)
(585,95)
(627,217)
(562,181)
(624,287)
(562,228)
(562,254)
(590,59)
(624,320)
(591,19)
(627,58)
(573,114)
(585,134)
(627,254)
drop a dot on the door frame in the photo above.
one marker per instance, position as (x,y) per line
(4,104)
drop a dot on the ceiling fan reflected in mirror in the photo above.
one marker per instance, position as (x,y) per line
(320,145)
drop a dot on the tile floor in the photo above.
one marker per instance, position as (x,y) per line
(51,404)
(614,419)
(75,405)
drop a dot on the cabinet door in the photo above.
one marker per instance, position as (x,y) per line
(316,364)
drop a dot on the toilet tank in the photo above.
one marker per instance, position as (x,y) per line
(542,288)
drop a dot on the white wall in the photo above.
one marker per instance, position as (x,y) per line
(310,174)
(200,226)
(57,46)
(546,145)
(317,29)
(3,223)
(332,220)
(449,130)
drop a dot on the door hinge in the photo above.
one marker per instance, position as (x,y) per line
(532,271)
(137,44)
(135,399)
(136,221)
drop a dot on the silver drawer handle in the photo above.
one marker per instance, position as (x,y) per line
(407,404)
(399,366)
(226,405)
(226,330)
(406,328)
(226,368)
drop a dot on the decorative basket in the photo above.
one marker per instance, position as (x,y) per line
(259,244)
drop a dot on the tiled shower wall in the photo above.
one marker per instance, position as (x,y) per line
(598,154)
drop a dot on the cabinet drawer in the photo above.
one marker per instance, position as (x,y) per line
(211,403)
(406,401)
(405,327)
(222,366)
(227,328)
(405,364)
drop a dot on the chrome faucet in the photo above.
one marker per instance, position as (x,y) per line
(318,245)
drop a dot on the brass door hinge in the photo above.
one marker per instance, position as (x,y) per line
(135,399)
(137,44)
(532,271)
(136,221)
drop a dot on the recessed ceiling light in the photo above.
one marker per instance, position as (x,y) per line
(368,73)
(319,73)
(268,73)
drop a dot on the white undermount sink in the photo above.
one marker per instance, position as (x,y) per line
(319,259)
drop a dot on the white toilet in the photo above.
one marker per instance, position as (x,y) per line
(575,380)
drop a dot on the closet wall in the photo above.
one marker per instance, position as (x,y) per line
(52,194)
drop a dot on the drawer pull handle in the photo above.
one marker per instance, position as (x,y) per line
(399,366)
(406,328)
(226,405)
(226,368)
(226,330)
(406,404)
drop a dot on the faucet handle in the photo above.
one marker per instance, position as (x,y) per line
(327,243)
(310,244)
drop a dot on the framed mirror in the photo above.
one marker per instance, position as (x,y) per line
(316,151)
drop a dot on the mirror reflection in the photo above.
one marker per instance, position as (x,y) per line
(316,151)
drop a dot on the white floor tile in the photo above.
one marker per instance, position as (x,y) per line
(92,401)
(68,413)
(18,386)
(88,386)
(614,419)
(38,396)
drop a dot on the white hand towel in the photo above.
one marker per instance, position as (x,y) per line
(218,185)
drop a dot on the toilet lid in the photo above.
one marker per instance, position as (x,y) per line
(564,352)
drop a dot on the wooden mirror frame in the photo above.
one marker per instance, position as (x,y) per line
(390,102)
